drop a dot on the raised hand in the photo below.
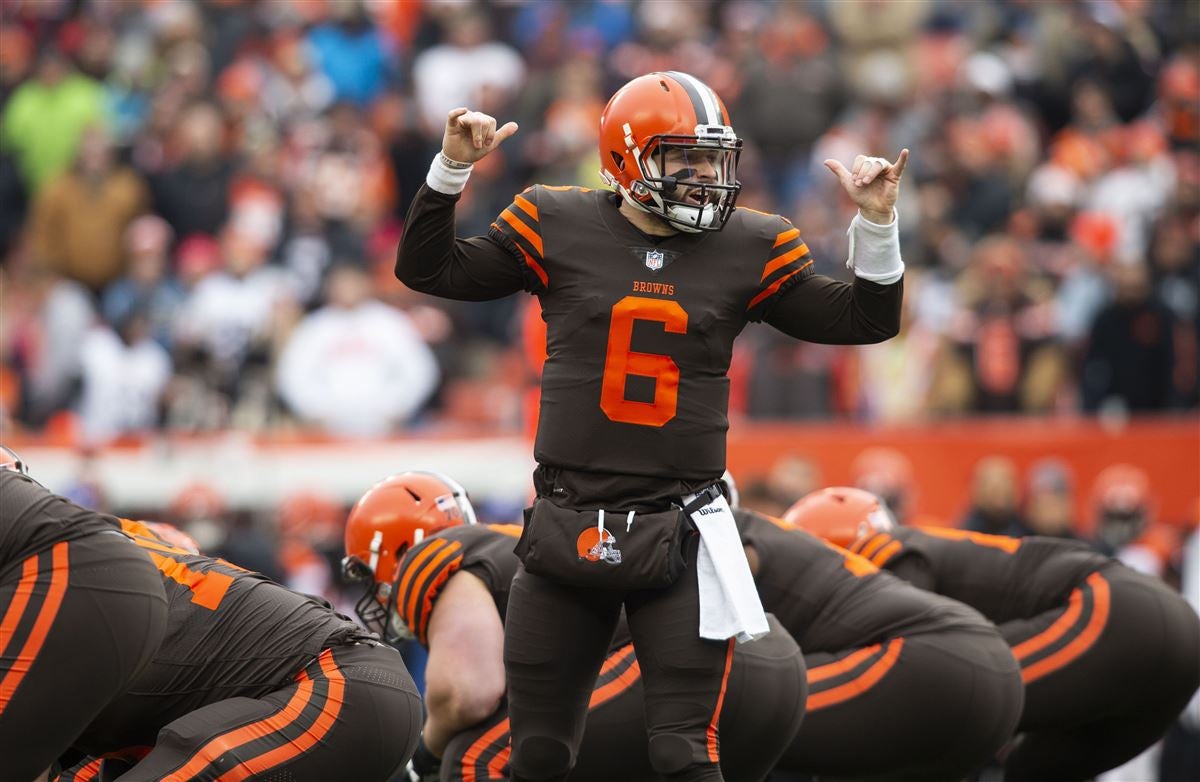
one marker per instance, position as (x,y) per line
(470,135)
(873,184)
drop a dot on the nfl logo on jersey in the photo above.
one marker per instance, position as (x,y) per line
(654,260)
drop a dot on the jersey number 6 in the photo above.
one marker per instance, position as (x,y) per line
(620,361)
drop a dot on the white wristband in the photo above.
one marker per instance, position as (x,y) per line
(447,180)
(875,250)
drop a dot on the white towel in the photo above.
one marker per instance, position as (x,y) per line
(729,604)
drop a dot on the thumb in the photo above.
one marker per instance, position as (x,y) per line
(839,171)
(504,132)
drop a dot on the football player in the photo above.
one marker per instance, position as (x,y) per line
(432,574)
(878,649)
(643,290)
(1109,657)
(82,611)
(251,682)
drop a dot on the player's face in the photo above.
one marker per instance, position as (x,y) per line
(693,165)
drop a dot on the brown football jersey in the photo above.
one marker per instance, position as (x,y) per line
(640,329)
(830,599)
(32,518)
(230,632)
(1001,577)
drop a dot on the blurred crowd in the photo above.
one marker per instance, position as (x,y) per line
(202,200)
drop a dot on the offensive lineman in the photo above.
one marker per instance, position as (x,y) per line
(251,682)
(1108,656)
(643,292)
(69,581)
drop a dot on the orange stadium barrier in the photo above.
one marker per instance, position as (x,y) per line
(944,454)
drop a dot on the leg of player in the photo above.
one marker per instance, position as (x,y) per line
(953,698)
(324,725)
(550,667)
(77,623)
(1105,675)
(685,677)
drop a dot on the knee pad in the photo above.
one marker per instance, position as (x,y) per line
(670,753)
(540,759)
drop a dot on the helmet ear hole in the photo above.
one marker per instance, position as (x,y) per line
(665,87)
(618,161)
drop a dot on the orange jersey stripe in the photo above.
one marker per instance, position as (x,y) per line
(1083,641)
(616,658)
(511,530)
(421,583)
(862,683)
(530,235)
(16,609)
(838,667)
(59,576)
(496,766)
(785,237)
(783,260)
(714,752)
(616,686)
(418,561)
(233,739)
(526,207)
(431,593)
(1002,542)
(775,286)
(873,545)
(1055,631)
(328,716)
(89,773)
(537,267)
(208,588)
(473,753)
(887,552)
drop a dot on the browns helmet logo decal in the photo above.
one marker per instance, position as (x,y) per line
(598,545)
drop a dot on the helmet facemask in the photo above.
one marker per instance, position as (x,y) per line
(690,181)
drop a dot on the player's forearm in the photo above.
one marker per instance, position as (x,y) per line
(822,309)
(432,260)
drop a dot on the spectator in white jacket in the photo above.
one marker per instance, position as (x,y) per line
(125,373)
(356,366)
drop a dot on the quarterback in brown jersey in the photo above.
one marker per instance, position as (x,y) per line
(643,291)
(69,581)
(1108,656)
(251,682)
(434,575)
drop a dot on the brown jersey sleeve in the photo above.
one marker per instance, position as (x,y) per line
(424,570)
(431,259)
(821,309)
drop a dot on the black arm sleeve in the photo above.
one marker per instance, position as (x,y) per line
(822,309)
(432,260)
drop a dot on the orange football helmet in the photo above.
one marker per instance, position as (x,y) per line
(653,115)
(393,516)
(840,514)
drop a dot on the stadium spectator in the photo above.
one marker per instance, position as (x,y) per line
(125,373)
(995,506)
(468,69)
(78,221)
(1130,354)
(352,53)
(356,366)
(147,282)
(45,117)
(192,191)
(1050,500)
